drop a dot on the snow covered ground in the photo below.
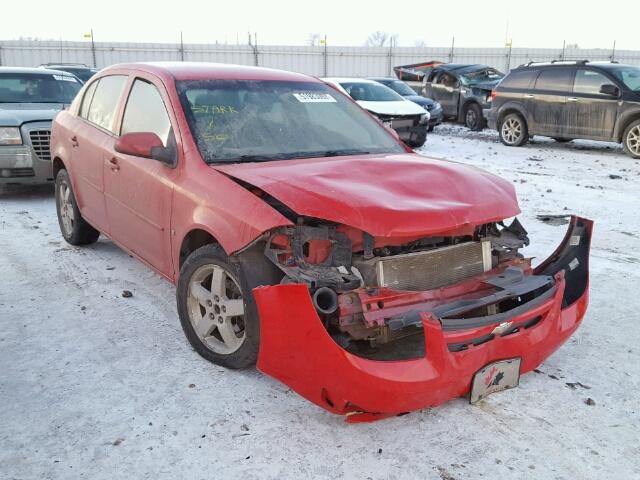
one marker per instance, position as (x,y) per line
(94,385)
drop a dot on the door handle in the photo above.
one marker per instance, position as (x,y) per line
(572,99)
(528,95)
(74,141)
(114,164)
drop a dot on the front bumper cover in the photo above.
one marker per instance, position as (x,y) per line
(296,349)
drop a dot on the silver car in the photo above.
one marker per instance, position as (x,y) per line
(29,100)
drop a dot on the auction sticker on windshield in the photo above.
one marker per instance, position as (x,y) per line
(314,97)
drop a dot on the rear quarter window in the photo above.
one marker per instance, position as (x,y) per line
(555,79)
(521,79)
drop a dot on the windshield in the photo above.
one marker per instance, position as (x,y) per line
(370,92)
(628,75)
(253,120)
(481,76)
(401,88)
(37,88)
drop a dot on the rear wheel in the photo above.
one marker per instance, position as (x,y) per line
(73,227)
(473,118)
(513,130)
(631,139)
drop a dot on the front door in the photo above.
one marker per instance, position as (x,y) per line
(591,113)
(138,191)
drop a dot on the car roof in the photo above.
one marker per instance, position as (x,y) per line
(210,71)
(581,64)
(41,71)
(462,66)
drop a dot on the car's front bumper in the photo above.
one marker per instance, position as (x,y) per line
(21,163)
(296,349)
(437,118)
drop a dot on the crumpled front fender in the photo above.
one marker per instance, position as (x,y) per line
(296,349)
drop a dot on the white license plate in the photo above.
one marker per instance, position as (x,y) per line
(495,377)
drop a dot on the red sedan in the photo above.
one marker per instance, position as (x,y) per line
(304,236)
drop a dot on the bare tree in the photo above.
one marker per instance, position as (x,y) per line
(381,39)
(420,43)
(314,39)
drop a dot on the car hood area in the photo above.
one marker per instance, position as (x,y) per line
(401,107)
(396,195)
(15,114)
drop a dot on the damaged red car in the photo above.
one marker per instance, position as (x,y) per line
(305,237)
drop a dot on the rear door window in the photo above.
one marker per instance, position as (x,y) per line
(146,112)
(102,111)
(86,100)
(521,79)
(589,81)
(555,79)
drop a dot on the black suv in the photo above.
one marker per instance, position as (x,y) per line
(568,100)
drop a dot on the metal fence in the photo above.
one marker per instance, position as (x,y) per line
(318,61)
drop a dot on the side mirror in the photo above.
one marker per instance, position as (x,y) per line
(609,89)
(146,145)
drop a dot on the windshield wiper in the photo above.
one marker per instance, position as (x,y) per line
(289,156)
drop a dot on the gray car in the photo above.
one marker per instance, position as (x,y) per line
(29,100)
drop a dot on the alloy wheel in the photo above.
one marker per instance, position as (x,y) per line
(216,309)
(633,140)
(511,131)
(471,118)
(66,207)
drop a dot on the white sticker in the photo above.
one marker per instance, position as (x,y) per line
(314,97)
(65,78)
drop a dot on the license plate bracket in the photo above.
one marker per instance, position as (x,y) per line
(495,377)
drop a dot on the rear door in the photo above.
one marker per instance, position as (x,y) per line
(591,113)
(91,137)
(138,191)
(445,89)
(548,103)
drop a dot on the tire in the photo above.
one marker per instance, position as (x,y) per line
(473,118)
(231,341)
(562,139)
(419,141)
(73,227)
(631,139)
(513,130)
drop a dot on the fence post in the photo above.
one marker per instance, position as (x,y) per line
(181,48)
(93,51)
(0,55)
(509,56)
(325,53)
(453,44)
(564,46)
(613,53)
(390,66)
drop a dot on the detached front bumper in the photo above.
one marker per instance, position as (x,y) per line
(296,349)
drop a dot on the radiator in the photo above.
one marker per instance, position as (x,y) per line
(428,270)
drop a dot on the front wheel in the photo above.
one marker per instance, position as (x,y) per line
(631,139)
(215,303)
(73,227)
(473,118)
(513,130)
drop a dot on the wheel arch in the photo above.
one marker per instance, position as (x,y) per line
(58,164)
(624,123)
(510,108)
(195,238)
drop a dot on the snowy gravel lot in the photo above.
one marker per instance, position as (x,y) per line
(94,385)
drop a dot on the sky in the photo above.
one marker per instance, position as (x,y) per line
(538,23)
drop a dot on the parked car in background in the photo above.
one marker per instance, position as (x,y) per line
(304,235)
(401,88)
(80,70)
(568,100)
(29,99)
(462,90)
(409,120)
